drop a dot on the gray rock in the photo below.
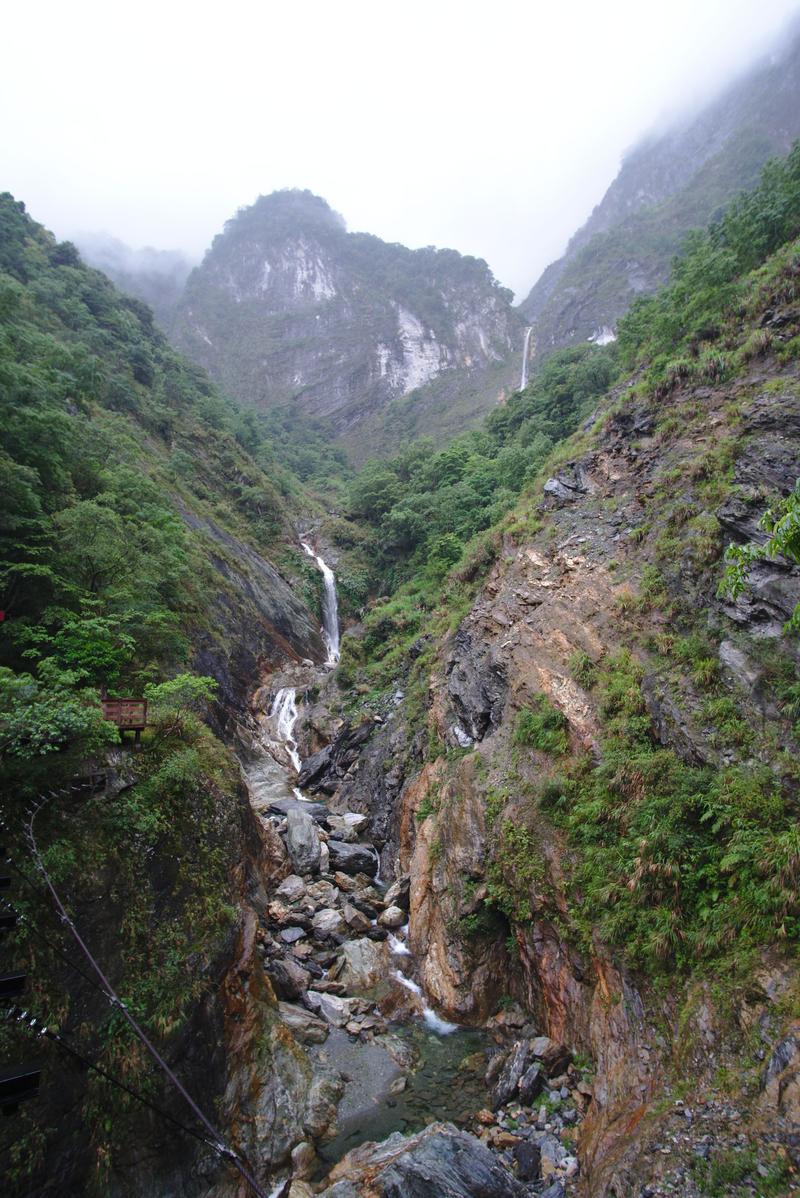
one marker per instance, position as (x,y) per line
(568,485)
(336,1010)
(324,857)
(439,1162)
(515,1066)
(342,830)
(530,1084)
(292,935)
(363,964)
(553,1153)
(353,858)
(476,684)
(782,1056)
(355,919)
(556,1190)
(317,811)
(746,673)
(555,1057)
(356,821)
(291,888)
(528,1158)
(304,1026)
(329,922)
(398,892)
(392,917)
(302,841)
(289,979)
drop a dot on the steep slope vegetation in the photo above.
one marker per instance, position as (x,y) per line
(138,545)
(288,308)
(156,277)
(666,186)
(588,766)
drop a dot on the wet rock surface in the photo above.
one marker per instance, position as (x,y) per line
(439,1162)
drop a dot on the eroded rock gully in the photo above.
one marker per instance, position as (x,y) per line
(577,1083)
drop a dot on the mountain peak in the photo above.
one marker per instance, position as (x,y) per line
(285,213)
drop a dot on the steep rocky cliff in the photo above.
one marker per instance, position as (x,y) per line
(670,183)
(590,780)
(288,308)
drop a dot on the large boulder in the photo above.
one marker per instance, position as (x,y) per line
(289,979)
(439,1162)
(353,858)
(326,770)
(362,966)
(555,1057)
(329,922)
(283,806)
(302,841)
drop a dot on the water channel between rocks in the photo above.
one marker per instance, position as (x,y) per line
(422,1069)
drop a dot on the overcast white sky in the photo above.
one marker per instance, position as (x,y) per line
(491,127)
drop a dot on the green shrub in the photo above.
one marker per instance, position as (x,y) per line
(542,726)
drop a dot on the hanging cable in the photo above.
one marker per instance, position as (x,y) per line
(36,1027)
(221,1148)
(31,927)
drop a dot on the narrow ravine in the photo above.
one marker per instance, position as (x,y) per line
(338,955)
(335,943)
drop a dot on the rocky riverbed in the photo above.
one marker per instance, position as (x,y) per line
(333,942)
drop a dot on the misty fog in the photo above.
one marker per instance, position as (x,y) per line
(492,131)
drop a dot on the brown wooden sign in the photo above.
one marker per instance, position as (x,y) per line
(126,713)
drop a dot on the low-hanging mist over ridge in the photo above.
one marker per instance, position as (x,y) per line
(526,158)
(674,121)
(289,309)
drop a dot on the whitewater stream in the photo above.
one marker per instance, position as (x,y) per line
(330,606)
(437,1085)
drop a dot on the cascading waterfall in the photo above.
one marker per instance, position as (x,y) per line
(284,714)
(330,606)
(433,1021)
(524,379)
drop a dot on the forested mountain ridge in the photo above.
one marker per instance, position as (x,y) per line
(667,185)
(147,547)
(107,428)
(288,309)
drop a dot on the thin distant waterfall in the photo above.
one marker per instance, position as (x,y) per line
(330,606)
(524,380)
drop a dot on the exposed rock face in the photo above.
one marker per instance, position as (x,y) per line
(256,621)
(545,601)
(476,686)
(269,1089)
(446,861)
(289,308)
(667,185)
(439,1162)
